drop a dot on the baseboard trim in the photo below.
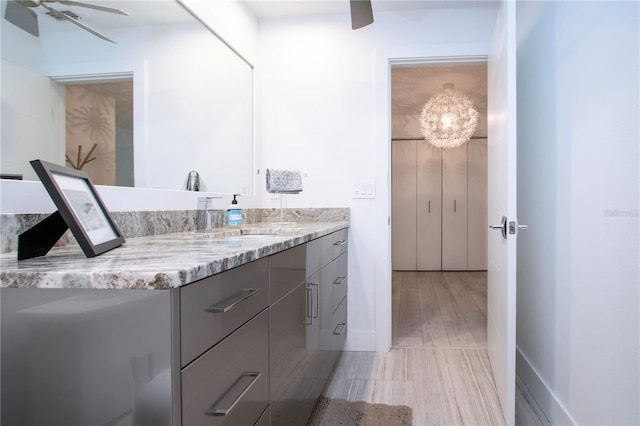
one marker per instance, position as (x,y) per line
(360,341)
(547,401)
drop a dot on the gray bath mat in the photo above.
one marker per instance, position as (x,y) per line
(339,412)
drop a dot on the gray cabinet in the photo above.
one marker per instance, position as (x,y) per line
(88,357)
(454,208)
(224,321)
(308,325)
(439,212)
(292,380)
(252,345)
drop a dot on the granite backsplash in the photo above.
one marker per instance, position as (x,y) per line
(145,223)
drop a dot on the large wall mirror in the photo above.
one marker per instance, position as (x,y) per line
(165,98)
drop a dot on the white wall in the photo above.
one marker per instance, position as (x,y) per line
(578,267)
(26,104)
(324,108)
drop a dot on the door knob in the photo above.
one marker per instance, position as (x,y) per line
(513,228)
(502,227)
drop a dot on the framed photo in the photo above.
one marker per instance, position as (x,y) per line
(80,206)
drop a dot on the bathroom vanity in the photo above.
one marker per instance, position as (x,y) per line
(237,327)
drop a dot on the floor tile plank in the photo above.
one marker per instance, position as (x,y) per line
(457,330)
(410,326)
(476,286)
(433,331)
(444,373)
(474,318)
(432,389)
(481,371)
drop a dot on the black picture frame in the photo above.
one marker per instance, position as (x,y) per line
(80,208)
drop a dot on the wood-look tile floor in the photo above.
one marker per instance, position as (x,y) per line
(438,365)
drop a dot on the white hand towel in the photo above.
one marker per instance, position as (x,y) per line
(284,181)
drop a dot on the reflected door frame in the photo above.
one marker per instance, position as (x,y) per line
(108,74)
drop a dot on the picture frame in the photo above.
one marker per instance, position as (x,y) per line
(80,207)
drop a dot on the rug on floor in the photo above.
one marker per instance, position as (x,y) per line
(340,412)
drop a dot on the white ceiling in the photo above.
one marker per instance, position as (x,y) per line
(285,8)
(141,12)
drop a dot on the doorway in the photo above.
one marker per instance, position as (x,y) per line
(99,118)
(439,218)
(97,125)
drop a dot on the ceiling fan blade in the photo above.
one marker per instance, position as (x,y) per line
(78,23)
(361,13)
(22,17)
(92,6)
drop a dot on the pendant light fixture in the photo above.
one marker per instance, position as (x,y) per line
(448,119)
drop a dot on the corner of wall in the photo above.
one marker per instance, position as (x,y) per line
(546,399)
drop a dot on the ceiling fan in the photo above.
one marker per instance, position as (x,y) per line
(21,14)
(361,13)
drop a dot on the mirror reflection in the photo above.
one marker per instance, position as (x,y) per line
(165,98)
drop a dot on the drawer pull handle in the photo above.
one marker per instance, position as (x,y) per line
(229,303)
(340,243)
(339,280)
(317,286)
(307,307)
(244,383)
(340,326)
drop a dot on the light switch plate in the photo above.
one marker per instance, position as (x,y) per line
(363,189)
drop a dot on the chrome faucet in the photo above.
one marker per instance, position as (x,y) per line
(203,215)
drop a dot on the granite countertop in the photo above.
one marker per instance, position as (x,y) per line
(161,261)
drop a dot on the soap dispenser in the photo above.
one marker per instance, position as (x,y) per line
(234,213)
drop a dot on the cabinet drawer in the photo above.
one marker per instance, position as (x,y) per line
(340,325)
(213,307)
(287,269)
(313,256)
(326,250)
(229,384)
(334,334)
(340,242)
(339,282)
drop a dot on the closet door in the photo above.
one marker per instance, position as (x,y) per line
(454,209)
(477,222)
(429,207)
(403,187)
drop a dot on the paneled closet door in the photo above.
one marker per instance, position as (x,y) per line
(429,207)
(454,209)
(477,232)
(403,186)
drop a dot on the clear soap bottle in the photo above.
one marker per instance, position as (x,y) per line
(234,213)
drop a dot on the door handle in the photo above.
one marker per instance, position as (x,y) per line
(513,227)
(429,206)
(502,227)
(514,230)
(455,206)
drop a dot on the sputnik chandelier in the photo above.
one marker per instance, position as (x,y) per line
(448,119)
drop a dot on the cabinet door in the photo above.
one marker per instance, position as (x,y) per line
(403,181)
(428,207)
(293,382)
(454,208)
(477,220)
